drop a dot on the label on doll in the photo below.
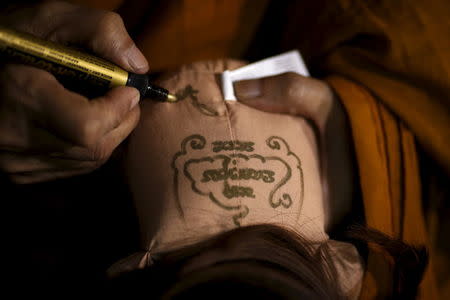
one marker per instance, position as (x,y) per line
(286,62)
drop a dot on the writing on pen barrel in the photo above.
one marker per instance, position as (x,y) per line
(76,70)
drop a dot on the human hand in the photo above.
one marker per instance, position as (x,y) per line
(314,100)
(102,32)
(47,131)
(289,93)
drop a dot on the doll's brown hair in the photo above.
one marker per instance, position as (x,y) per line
(261,262)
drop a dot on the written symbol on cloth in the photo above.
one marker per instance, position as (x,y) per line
(230,173)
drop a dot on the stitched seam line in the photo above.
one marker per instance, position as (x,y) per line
(233,139)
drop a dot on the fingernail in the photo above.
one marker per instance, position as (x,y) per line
(248,88)
(137,60)
(135,100)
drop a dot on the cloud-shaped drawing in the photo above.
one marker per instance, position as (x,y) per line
(231,179)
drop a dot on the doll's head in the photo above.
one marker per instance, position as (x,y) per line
(204,165)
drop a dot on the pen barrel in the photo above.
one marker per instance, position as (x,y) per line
(78,71)
(138,81)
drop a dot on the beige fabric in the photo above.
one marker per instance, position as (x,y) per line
(189,156)
(204,166)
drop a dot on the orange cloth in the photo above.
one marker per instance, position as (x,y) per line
(389,63)
(398,50)
(390,183)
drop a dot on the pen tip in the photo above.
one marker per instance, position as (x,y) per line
(171,98)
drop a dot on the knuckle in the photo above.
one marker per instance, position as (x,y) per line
(25,80)
(88,132)
(295,91)
(110,35)
(109,23)
(292,79)
(124,44)
(324,88)
(112,115)
(317,89)
(99,154)
(39,84)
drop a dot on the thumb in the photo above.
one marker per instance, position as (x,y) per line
(286,93)
(105,34)
(113,41)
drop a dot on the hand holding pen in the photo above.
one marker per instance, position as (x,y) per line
(47,131)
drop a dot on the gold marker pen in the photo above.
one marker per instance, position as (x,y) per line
(78,71)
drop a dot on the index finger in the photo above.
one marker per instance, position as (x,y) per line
(74,117)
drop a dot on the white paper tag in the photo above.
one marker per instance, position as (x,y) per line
(286,62)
